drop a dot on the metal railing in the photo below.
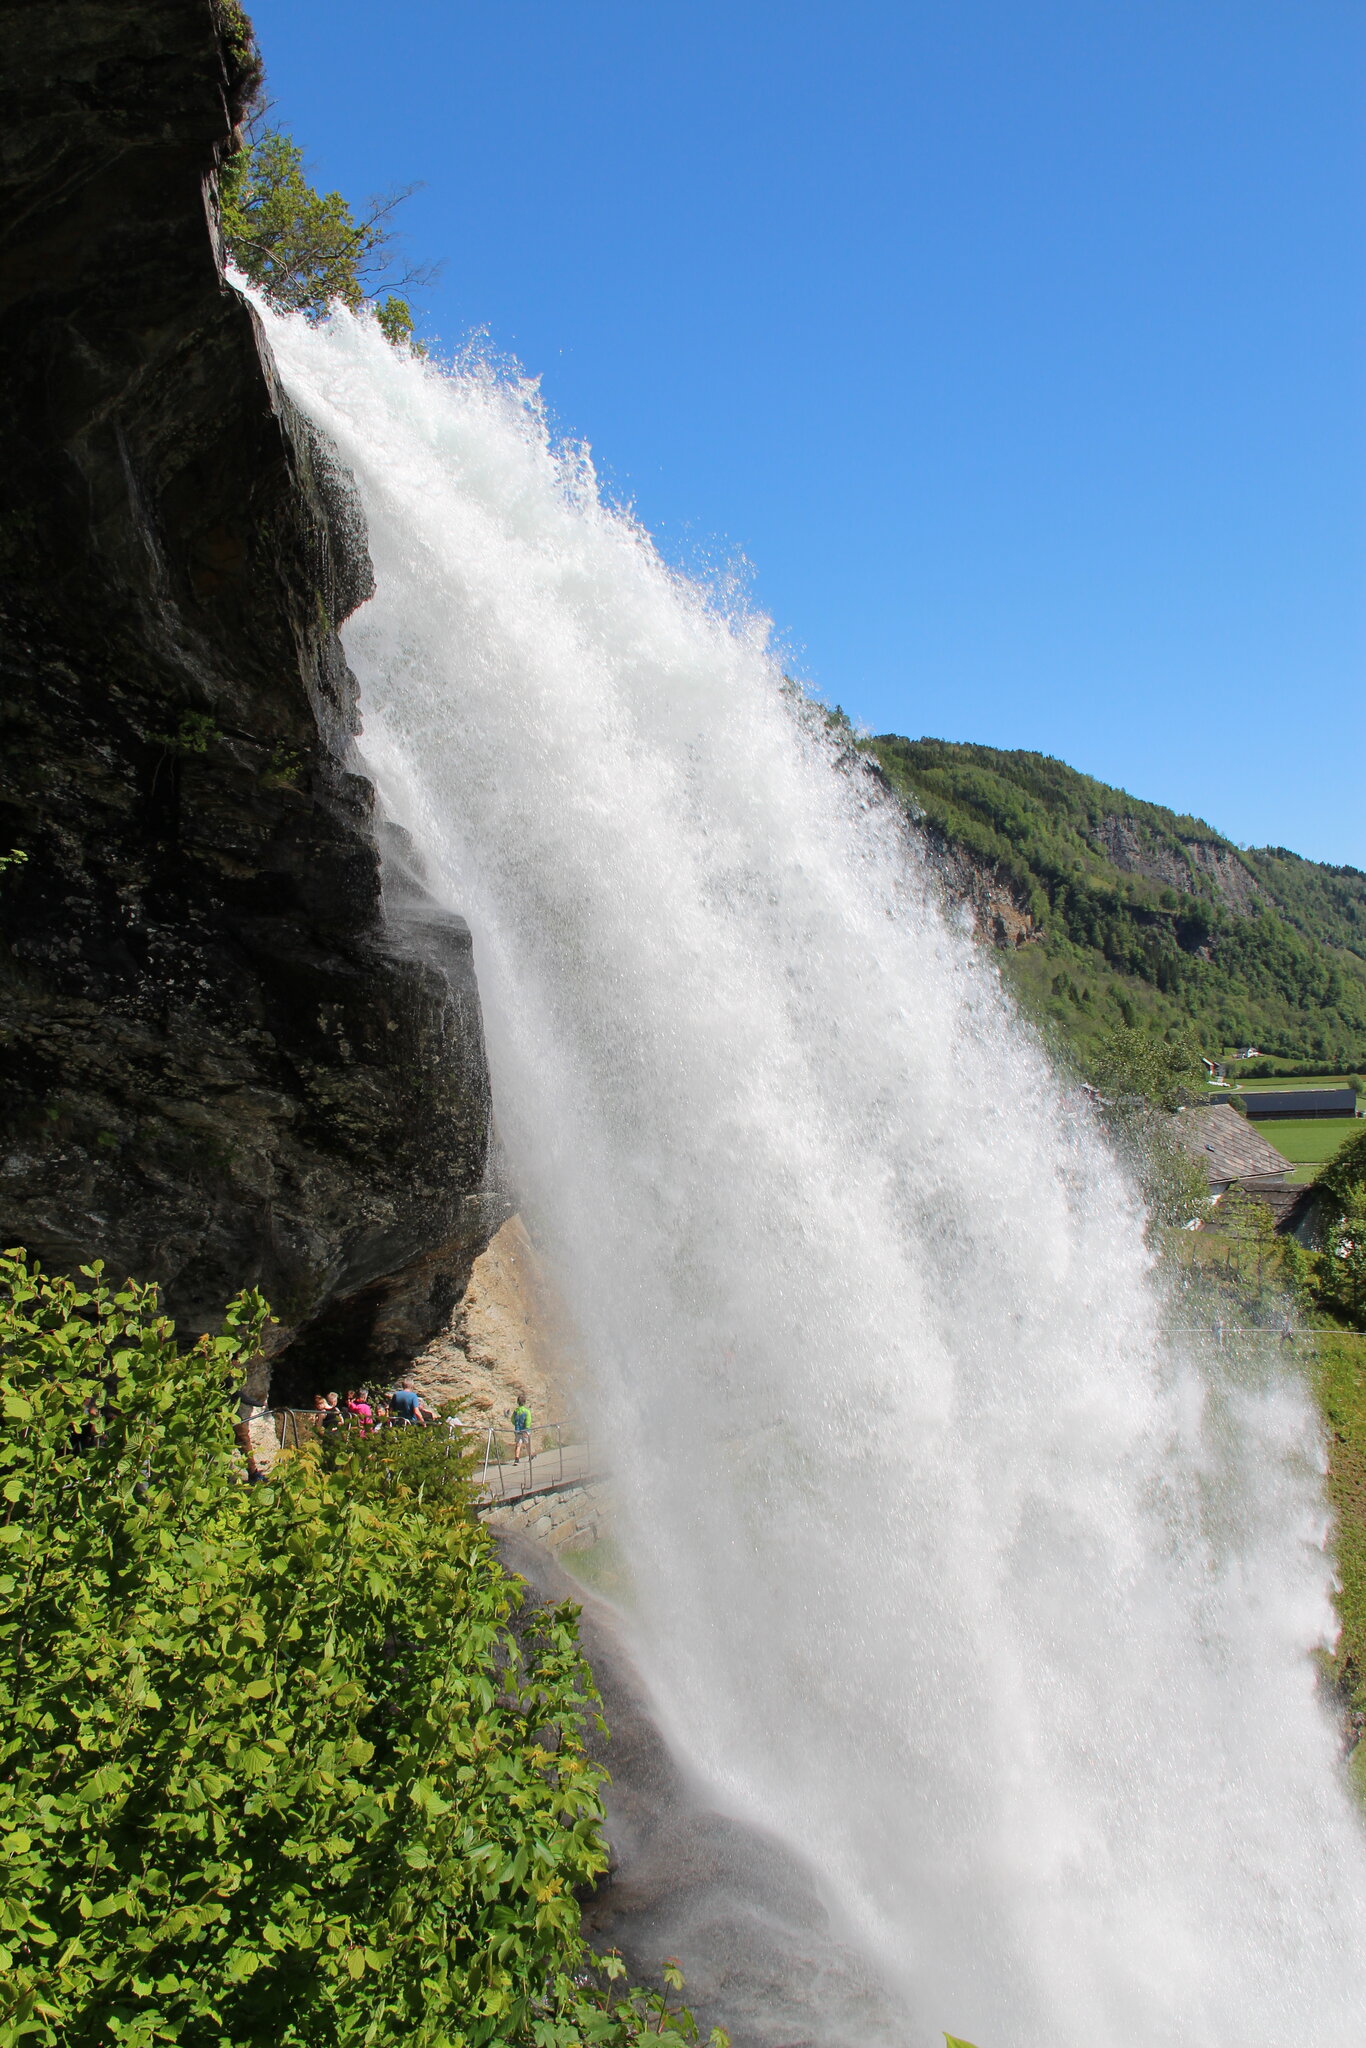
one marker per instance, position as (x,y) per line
(286,1425)
(295,1426)
(559,1453)
(1282,1332)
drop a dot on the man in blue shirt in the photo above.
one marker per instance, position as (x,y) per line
(409,1407)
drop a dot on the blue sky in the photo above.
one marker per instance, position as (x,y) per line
(1017,345)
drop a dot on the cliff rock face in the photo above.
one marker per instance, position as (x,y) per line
(1183,866)
(506,1341)
(219,1067)
(1000,916)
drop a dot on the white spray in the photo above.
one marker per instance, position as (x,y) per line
(953,1572)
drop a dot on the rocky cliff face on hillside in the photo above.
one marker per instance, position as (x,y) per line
(1000,912)
(1115,910)
(219,1067)
(1194,866)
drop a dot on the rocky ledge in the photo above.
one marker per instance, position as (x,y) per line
(219,1067)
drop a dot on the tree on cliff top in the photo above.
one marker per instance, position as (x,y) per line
(306,249)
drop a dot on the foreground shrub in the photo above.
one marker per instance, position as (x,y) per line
(1341,1218)
(1338,1365)
(281,1763)
(1343,1179)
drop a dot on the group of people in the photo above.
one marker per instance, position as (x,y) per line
(365,1411)
(403,1407)
(362,1410)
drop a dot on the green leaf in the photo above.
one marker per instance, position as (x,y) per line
(359,1599)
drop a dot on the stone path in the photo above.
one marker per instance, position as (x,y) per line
(543,1472)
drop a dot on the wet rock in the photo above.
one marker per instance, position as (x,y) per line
(218,1066)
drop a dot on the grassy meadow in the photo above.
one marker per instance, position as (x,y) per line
(1309,1142)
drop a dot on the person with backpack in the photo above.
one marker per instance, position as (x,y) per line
(521,1429)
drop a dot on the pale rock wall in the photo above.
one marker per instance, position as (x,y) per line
(1137,850)
(576,1519)
(504,1342)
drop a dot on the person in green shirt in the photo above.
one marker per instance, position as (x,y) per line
(521,1430)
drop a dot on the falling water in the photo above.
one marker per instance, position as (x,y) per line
(953,1571)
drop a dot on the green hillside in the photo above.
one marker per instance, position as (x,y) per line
(1141,915)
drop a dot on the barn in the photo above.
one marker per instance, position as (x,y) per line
(1262,1105)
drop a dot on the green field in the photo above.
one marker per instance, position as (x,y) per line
(1283,1085)
(1309,1141)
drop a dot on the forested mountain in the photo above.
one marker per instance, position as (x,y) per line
(1123,909)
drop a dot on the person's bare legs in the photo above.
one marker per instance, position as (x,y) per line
(242,1431)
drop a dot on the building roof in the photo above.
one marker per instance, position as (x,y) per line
(1301,1102)
(1227,1146)
(1288,1205)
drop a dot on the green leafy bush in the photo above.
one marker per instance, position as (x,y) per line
(1341,1227)
(284,1762)
(1141,1078)
(1136,1065)
(1344,1176)
(303,247)
(1342,1264)
(1338,1363)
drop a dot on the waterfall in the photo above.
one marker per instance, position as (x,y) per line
(957,1569)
